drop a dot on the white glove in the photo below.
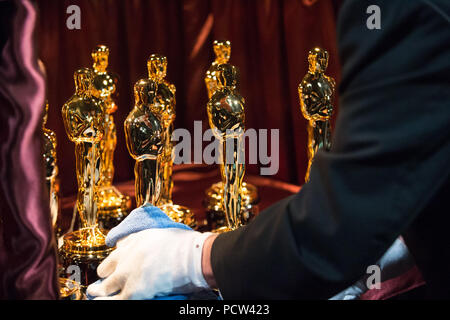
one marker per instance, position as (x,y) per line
(151,263)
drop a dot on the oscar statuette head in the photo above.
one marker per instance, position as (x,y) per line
(222,50)
(100,56)
(157,67)
(318,60)
(83,82)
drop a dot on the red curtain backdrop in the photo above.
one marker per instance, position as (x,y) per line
(270,42)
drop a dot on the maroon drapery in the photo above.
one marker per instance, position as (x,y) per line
(270,42)
(27,250)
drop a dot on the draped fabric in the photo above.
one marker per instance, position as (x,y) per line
(270,42)
(27,250)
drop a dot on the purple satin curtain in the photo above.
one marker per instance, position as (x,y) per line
(27,250)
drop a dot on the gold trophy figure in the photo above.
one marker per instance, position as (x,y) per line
(222,50)
(112,204)
(69,289)
(51,172)
(164,107)
(227,120)
(213,201)
(316,99)
(84,121)
(145,142)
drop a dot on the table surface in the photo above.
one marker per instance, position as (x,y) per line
(190,184)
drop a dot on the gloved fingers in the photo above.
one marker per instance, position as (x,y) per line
(122,241)
(108,287)
(122,295)
(107,267)
(133,291)
(116,297)
(127,240)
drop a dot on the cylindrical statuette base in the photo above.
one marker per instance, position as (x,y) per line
(179,214)
(215,213)
(86,249)
(113,207)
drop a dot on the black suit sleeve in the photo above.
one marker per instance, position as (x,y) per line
(390,155)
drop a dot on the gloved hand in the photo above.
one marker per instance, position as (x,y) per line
(151,263)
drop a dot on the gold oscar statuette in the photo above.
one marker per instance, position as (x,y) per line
(69,289)
(213,201)
(222,51)
(84,121)
(164,107)
(113,206)
(51,172)
(227,120)
(145,142)
(316,99)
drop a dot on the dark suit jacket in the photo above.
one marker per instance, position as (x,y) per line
(386,175)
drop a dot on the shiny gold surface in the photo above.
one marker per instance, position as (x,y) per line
(213,201)
(112,205)
(222,51)
(249,194)
(316,99)
(164,107)
(69,289)
(83,117)
(223,229)
(51,170)
(179,214)
(145,142)
(86,242)
(227,118)
(86,249)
